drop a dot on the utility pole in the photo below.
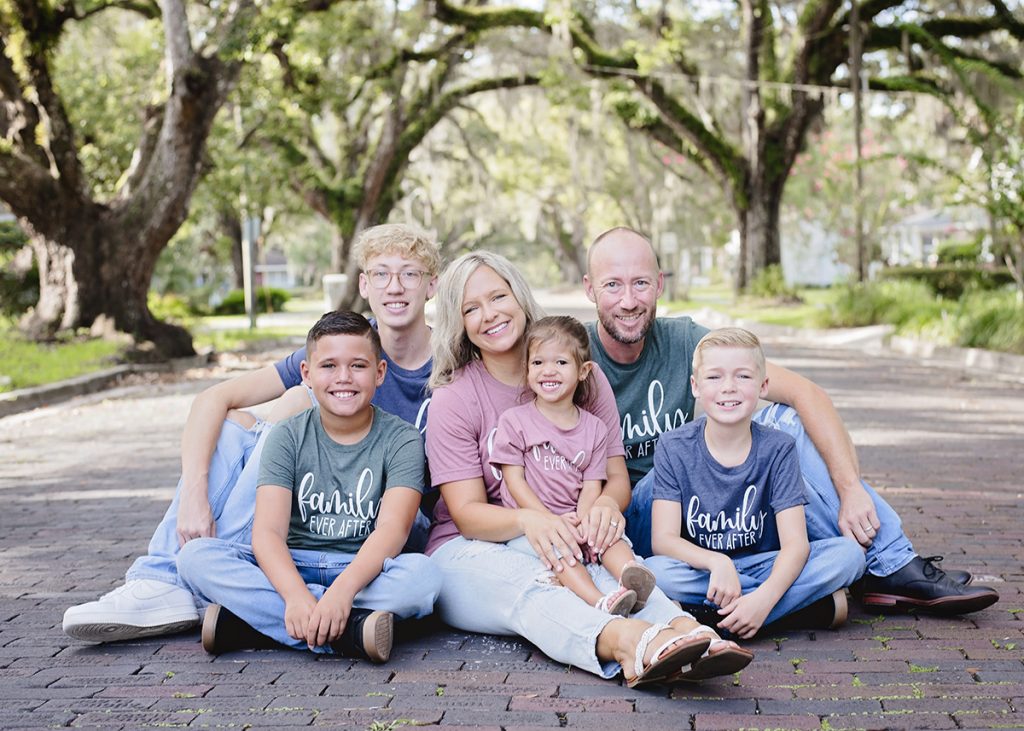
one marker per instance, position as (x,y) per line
(856,53)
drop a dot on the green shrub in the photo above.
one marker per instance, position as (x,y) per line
(966,252)
(234,302)
(905,304)
(769,283)
(950,280)
(19,287)
(170,307)
(993,321)
(980,319)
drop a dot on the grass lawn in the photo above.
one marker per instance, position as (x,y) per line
(24,364)
(720,298)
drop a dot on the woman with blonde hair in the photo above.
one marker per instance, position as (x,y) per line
(484,309)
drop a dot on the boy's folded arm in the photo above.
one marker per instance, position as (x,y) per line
(667,540)
(398,508)
(270,541)
(793,552)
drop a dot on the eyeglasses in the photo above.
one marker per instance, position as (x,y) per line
(381,278)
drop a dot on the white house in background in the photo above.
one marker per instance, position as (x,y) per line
(274,270)
(916,239)
(810,254)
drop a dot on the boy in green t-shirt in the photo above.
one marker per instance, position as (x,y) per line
(339,487)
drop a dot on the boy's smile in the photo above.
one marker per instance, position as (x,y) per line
(397,305)
(344,373)
(729,384)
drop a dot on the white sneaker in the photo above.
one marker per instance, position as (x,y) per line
(140,608)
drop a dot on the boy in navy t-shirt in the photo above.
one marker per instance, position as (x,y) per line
(728,526)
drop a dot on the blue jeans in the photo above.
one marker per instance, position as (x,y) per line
(220,572)
(234,470)
(833,563)
(889,552)
(494,589)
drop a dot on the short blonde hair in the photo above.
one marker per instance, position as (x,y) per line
(399,239)
(729,337)
(448,340)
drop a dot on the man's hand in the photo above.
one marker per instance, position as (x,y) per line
(857,516)
(195,520)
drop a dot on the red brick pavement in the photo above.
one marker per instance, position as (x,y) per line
(82,484)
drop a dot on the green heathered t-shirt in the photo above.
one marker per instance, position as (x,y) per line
(653,394)
(337,488)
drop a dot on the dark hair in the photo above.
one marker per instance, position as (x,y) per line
(570,331)
(342,322)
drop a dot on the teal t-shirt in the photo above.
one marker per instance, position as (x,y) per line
(653,394)
(337,488)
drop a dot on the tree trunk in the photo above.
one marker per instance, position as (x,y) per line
(760,240)
(98,275)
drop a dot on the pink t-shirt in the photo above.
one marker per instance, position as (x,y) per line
(555,460)
(460,434)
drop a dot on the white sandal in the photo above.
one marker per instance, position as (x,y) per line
(619,602)
(664,661)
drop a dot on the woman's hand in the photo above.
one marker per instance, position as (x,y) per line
(551,537)
(603,524)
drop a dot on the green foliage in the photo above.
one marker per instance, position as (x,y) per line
(905,304)
(959,252)
(980,319)
(771,284)
(951,281)
(991,320)
(172,308)
(24,364)
(19,288)
(268,299)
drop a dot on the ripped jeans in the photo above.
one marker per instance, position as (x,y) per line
(889,552)
(492,588)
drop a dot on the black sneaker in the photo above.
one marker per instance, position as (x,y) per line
(828,612)
(368,634)
(923,586)
(225,632)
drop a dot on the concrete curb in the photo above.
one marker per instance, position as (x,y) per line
(25,399)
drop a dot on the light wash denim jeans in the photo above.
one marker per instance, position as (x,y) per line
(493,588)
(220,572)
(889,552)
(234,470)
(833,563)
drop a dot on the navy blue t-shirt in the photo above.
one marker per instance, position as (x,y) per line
(404,393)
(729,510)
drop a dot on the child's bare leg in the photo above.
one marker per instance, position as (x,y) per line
(577,580)
(616,557)
(623,565)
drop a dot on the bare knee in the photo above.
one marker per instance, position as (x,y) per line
(244,418)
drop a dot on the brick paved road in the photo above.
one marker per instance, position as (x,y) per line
(82,484)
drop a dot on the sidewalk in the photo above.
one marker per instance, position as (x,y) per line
(83,483)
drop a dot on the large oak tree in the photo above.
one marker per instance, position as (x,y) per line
(784,57)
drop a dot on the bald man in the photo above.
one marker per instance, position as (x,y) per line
(648,361)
